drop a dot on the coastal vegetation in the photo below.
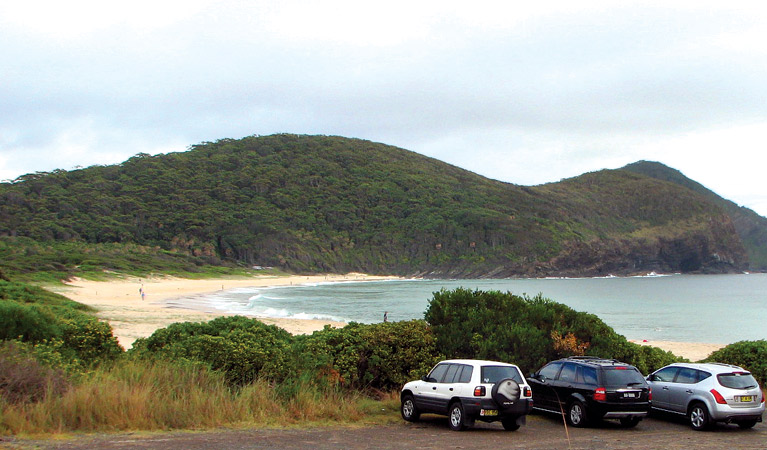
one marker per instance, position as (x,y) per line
(310,204)
(236,371)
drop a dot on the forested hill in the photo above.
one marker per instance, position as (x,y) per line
(318,203)
(750,226)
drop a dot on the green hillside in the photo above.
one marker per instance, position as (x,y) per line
(333,204)
(750,226)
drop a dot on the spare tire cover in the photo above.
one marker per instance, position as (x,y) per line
(505,393)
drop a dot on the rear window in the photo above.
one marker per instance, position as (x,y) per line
(737,380)
(494,374)
(622,376)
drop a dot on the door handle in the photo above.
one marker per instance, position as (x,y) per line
(688,391)
(451,389)
(434,388)
(665,388)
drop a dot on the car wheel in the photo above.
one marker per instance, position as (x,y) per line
(630,422)
(747,424)
(576,414)
(504,392)
(457,419)
(510,424)
(408,409)
(698,417)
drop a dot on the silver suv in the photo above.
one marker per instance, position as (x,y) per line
(708,393)
(466,390)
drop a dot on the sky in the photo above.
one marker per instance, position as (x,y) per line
(522,92)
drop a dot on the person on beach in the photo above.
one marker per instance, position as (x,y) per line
(386,316)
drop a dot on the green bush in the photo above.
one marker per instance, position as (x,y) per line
(751,355)
(379,356)
(243,349)
(527,331)
(28,323)
(36,316)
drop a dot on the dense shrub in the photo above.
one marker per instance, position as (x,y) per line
(244,349)
(751,355)
(24,379)
(527,331)
(28,323)
(379,356)
(36,316)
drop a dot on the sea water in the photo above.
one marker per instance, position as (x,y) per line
(718,309)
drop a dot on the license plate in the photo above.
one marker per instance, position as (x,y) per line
(746,398)
(488,412)
(630,395)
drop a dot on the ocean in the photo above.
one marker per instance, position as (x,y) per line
(717,309)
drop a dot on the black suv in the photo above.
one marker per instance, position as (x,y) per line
(586,389)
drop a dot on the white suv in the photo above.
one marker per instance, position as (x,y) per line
(708,393)
(466,390)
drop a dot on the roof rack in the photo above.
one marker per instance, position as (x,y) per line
(594,358)
(583,357)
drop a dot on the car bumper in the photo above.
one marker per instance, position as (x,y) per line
(725,413)
(484,409)
(619,410)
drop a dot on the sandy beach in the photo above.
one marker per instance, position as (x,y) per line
(694,351)
(136,307)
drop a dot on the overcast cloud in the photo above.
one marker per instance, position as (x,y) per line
(526,93)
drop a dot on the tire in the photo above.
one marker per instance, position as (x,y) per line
(510,423)
(746,424)
(576,414)
(630,422)
(698,417)
(504,392)
(456,417)
(408,409)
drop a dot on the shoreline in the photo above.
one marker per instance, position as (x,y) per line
(168,300)
(137,307)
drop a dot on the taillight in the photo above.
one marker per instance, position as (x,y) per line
(718,397)
(479,391)
(600,394)
(529,393)
(649,394)
(762,398)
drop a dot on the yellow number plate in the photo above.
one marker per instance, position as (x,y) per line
(488,412)
(746,398)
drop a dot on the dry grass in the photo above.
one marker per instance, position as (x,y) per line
(161,396)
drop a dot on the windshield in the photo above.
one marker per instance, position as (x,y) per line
(494,374)
(737,380)
(622,376)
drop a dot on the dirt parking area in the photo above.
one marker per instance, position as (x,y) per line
(541,432)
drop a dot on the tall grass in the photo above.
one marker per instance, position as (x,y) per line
(140,395)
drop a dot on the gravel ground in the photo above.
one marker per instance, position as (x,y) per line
(541,432)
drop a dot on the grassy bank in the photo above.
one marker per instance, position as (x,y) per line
(134,395)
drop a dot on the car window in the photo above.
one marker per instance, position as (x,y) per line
(667,374)
(550,371)
(687,376)
(568,372)
(586,375)
(464,375)
(438,373)
(494,374)
(702,375)
(737,380)
(622,376)
(451,371)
